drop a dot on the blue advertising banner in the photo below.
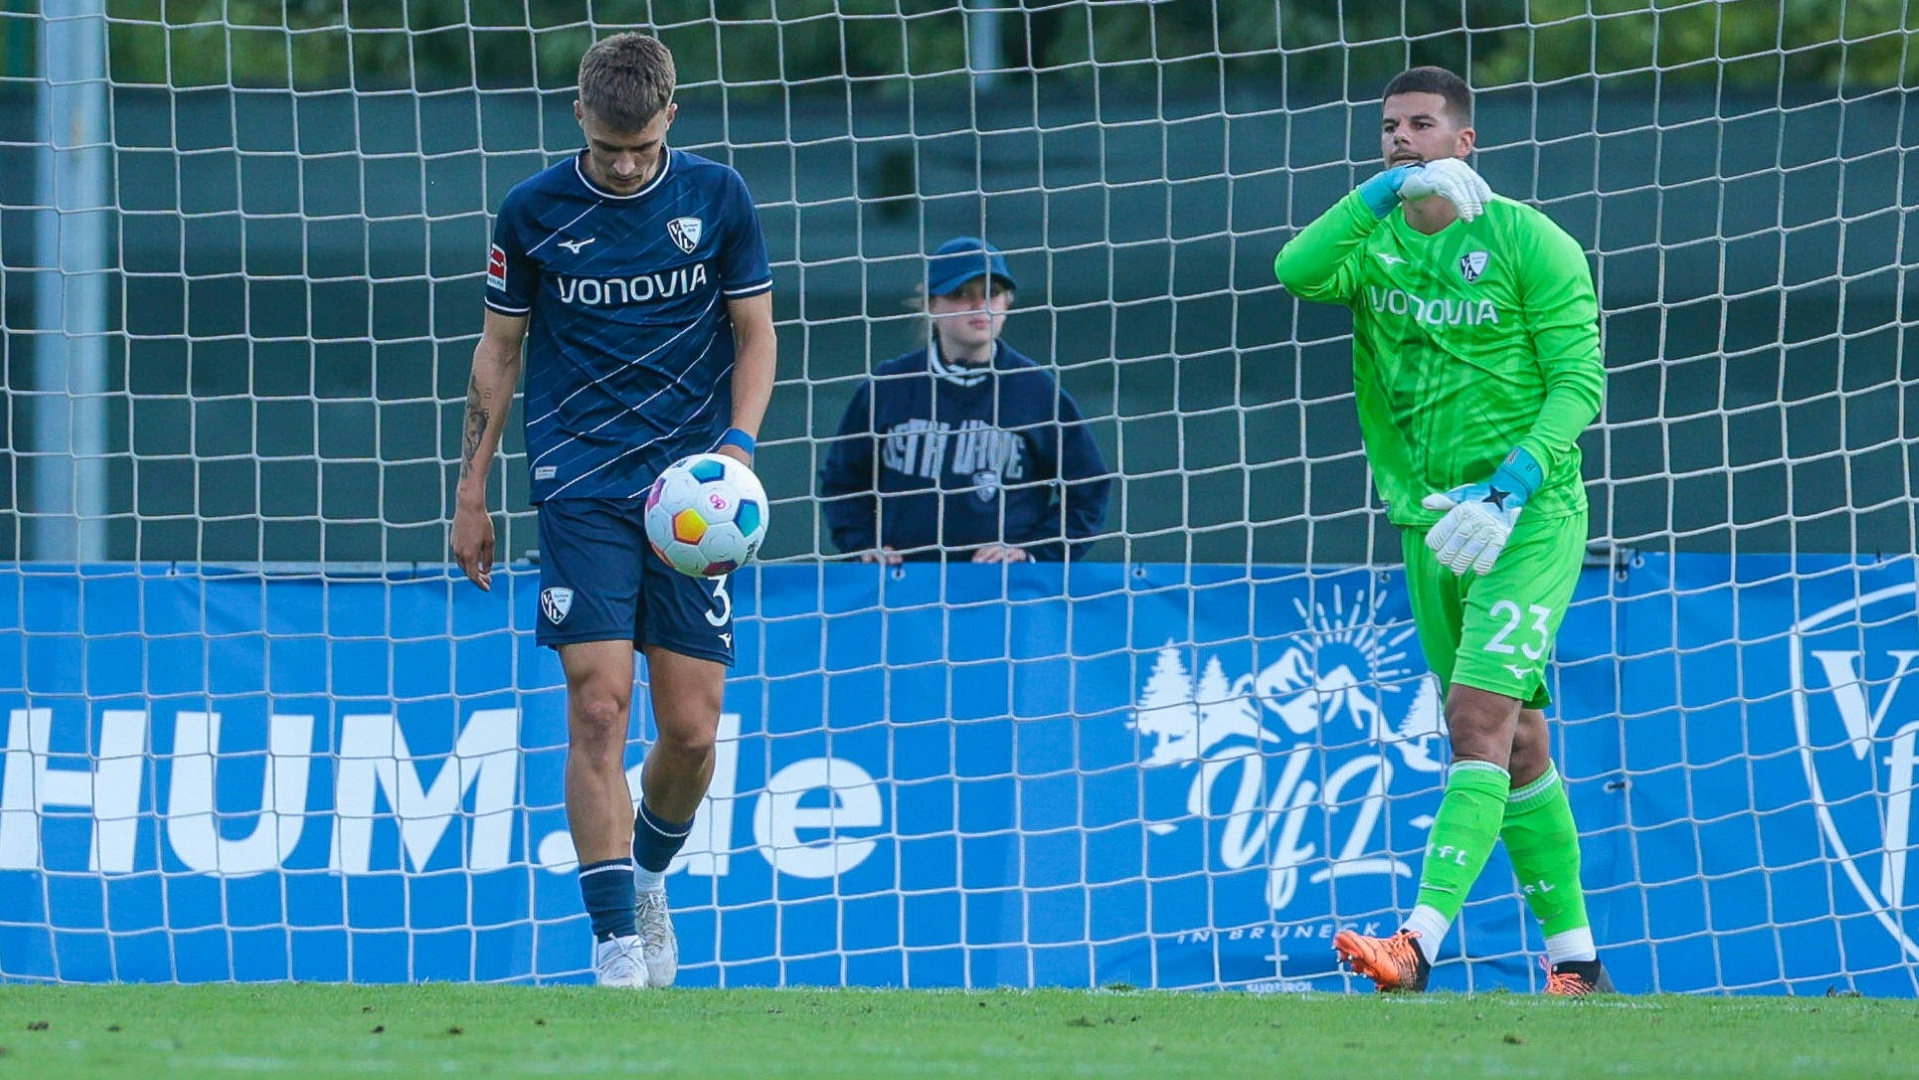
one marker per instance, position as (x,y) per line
(1156,775)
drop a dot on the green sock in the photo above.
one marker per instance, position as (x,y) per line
(1463,834)
(1543,843)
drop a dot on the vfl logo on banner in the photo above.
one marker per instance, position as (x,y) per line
(685,232)
(1317,747)
(1859,745)
(1472,264)
(555,603)
(495,267)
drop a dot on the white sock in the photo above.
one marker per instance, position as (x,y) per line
(645,880)
(1571,945)
(1431,926)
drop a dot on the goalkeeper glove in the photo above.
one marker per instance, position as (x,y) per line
(1381,193)
(1452,180)
(1480,517)
(1449,178)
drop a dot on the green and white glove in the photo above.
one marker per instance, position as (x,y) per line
(1480,517)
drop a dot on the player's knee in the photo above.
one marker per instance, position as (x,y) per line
(688,713)
(598,717)
(687,740)
(1479,734)
(1532,749)
(1529,738)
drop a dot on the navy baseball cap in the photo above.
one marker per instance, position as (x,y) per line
(962,259)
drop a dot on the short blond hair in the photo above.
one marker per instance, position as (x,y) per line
(626,80)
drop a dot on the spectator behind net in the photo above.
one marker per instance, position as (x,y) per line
(966,448)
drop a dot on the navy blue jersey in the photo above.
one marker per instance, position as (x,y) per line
(932,455)
(629,354)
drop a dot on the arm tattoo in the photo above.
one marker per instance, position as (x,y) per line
(477,418)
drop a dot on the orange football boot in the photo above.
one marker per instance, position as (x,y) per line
(1576,978)
(1393,963)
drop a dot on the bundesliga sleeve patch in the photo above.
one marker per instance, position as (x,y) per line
(496,268)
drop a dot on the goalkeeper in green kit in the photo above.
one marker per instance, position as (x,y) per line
(1476,365)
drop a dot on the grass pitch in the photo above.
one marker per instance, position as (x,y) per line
(83,1032)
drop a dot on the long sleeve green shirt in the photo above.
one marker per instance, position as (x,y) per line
(1467,343)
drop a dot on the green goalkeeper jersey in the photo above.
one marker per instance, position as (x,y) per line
(1466,343)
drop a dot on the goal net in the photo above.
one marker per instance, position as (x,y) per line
(255,729)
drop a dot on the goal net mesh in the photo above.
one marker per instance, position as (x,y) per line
(256,730)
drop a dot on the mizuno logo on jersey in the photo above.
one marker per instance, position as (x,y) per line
(1441,312)
(640,289)
(1388,258)
(496,267)
(574,246)
(685,232)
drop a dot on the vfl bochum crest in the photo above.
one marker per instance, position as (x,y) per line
(1472,264)
(685,232)
(555,603)
(1859,746)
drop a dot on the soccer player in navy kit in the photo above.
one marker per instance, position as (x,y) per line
(637,277)
(965,448)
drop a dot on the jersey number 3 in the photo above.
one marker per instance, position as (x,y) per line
(723,604)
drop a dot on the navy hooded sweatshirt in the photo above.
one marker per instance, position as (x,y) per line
(933,455)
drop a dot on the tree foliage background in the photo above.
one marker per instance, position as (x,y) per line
(774,46)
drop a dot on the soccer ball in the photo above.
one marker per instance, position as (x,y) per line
(706,515)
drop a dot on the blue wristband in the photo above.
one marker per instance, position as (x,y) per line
(735,437)
(1381,193)
(1519,475)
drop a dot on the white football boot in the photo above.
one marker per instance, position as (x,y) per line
(658,942)
(620,962)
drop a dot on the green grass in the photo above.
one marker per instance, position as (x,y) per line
(81,1032)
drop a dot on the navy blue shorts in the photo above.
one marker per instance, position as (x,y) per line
(601,581)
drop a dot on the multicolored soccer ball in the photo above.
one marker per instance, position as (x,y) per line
(706,515)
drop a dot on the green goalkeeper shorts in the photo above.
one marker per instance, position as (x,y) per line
(1495,632)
